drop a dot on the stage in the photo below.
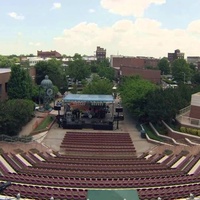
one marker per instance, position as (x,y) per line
(83,111)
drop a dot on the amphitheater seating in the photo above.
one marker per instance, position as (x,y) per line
(99,160)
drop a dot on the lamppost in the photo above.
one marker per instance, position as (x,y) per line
(114,91)
(183,77)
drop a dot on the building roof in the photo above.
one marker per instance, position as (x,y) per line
(88,97)
(5,70)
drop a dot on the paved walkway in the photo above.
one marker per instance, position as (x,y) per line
(54,136)
(26,130)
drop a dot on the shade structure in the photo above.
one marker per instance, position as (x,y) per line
(112,195)
(88,98)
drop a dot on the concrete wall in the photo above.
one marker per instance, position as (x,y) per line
(179,135)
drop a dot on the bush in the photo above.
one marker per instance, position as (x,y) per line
(168,152)
(194,131)
(188,130)
(183,129)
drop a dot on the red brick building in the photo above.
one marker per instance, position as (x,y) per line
(147,74)
(136,62)
(49,54)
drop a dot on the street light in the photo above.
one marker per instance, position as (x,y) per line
(114,91)
(183,77)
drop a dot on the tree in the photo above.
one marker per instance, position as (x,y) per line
(107,72)
(20,84)
(133,91)
(78,68)
(98,86)
(181,71)
(6,62)
(196,78)
(52,68)
(163,66)
(14,114)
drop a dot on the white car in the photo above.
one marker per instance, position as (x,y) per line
(37,107)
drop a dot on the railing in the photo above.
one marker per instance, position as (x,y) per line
(7,138)
(188,120)
(184,110)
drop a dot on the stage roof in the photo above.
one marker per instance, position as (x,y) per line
(88,97)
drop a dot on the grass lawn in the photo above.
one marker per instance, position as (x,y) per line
(45,123)
(150,133)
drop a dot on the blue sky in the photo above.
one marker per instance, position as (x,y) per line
(126,27)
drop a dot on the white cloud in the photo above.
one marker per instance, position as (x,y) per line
(36,44)
(56,6)
(194,27)
(16,16)
(142,37)
(129,7)
(92,10)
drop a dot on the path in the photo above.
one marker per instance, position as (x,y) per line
(54,137)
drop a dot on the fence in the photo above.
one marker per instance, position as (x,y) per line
(7,138)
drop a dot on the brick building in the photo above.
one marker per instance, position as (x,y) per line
(4,78)
(100,53)
(48,54)
(176,55)
(147,74)
(136,62)
(195,106)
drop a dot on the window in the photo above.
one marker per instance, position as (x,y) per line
(6,87)
(0,89)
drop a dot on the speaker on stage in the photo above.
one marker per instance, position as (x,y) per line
(57,107)
(119,109)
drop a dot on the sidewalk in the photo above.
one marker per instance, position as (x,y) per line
(29,127)
(54,136)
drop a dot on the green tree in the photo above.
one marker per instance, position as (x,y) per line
(196,78)
(20,84)
(165,104)
(181,71)
(98,86)
(52,68)
(14,114)
(133,91)
(107,72)
(163,66)
(5,62)
(78,68)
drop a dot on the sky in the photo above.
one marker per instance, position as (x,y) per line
(123,27)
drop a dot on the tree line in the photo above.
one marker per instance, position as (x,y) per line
(150,103)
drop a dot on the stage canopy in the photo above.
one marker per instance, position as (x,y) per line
(88,98)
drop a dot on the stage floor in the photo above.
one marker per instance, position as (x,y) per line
(91,123)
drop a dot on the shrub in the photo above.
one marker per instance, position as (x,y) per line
(188,130)
(168,152)
(183,129)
